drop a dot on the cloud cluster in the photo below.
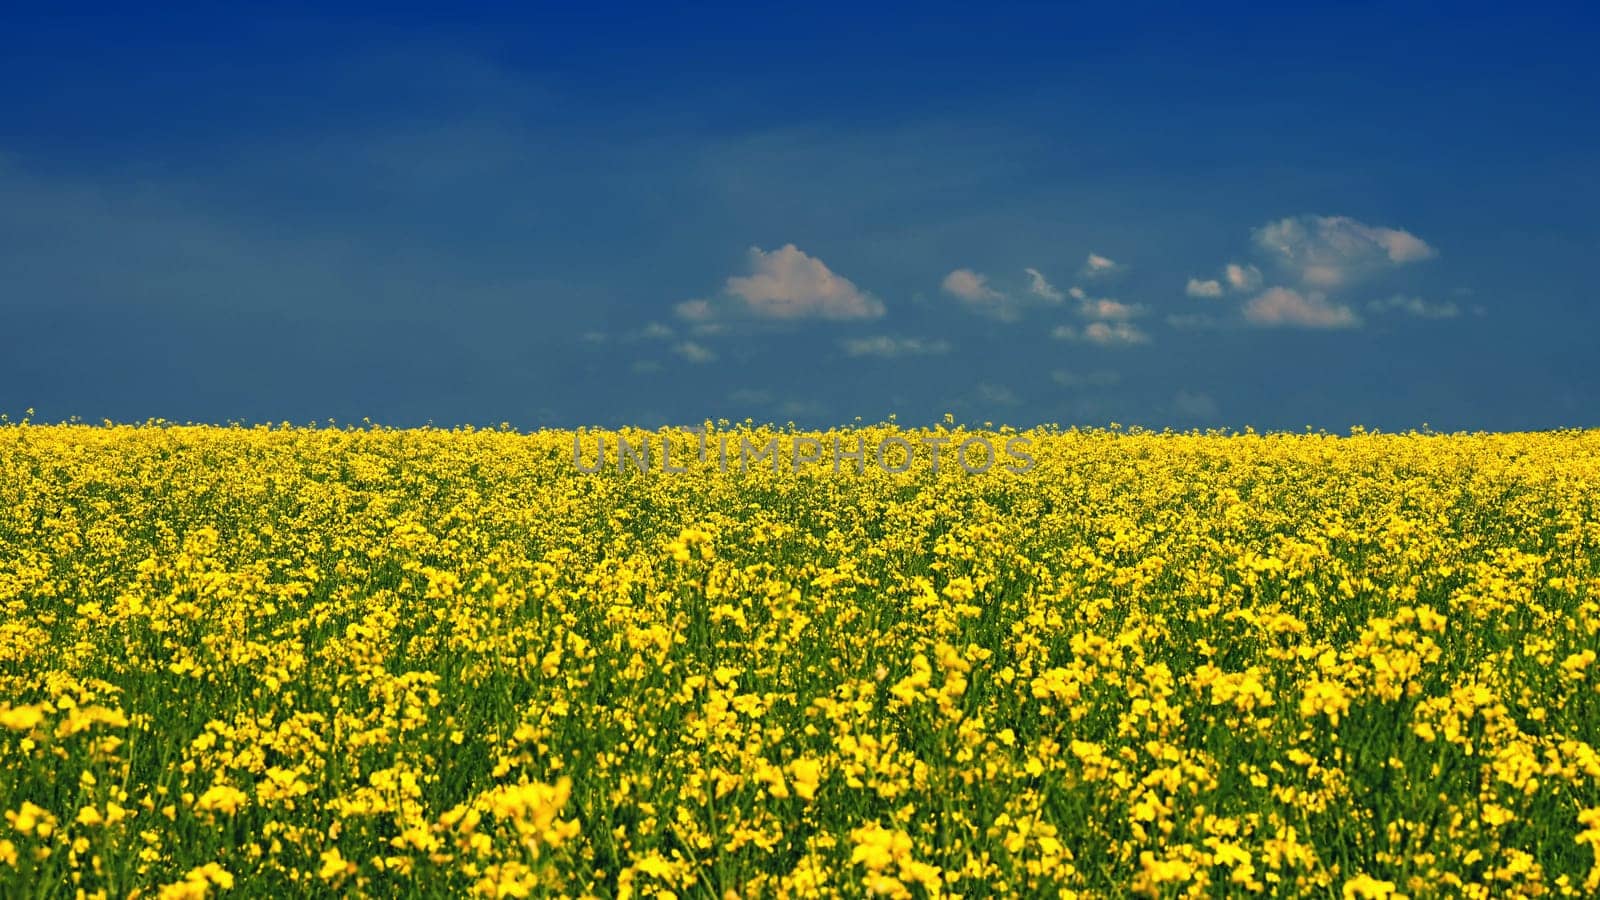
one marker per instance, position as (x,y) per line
(1236,277)
(1317,256)
(1285,306)
(1330,251)
(1110,322)
(977,294)
(1314,260)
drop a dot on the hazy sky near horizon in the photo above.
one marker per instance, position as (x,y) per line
(1165,215)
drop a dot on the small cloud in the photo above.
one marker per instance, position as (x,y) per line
(788,284)
(1242,278)
(695,310)
(1281,306)
(974,291)
(893,347)
(1330,251)
(1106,334)
(1041,287)
(695,353)
(1107,308)
(970,287)
(1415,306)
(1097,266)
(646,367)
(1077,293)
(1209,290)
(594,337)
(785,284)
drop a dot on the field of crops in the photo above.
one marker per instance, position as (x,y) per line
(401,663)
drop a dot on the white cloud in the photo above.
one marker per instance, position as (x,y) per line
(1110,322)
(971,288)
(695,353)
(656,331)
(1330,251)
(785,284)
(1096,266)
(1321,255)
(1403,246)
(1077,293)
(1114,333)
(1242,278)
(1281,306)
(695,310)
(788,284)
(1106,334)
(1107,308)
(1042,288)
(892,347)
(1416,306)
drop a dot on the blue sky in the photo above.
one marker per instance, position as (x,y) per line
(1186,216)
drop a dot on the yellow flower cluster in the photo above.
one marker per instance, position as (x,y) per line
(283,661)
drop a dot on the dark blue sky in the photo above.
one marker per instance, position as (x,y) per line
(1016,213)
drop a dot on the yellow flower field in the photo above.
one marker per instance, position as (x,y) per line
(292,662)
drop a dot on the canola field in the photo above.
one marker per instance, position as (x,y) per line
(323,662)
